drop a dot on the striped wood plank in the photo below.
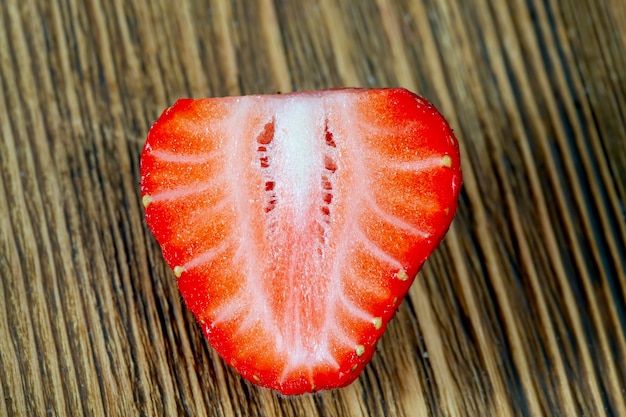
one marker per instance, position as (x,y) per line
(521,312)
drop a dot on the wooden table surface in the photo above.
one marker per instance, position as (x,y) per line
(520,312)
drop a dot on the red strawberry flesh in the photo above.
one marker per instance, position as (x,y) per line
(296,223)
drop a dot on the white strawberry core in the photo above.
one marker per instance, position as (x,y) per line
(298,127)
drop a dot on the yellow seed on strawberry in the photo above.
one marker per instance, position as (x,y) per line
(178,271)
(378,322)
(146,200)
(402,275)
(360,350)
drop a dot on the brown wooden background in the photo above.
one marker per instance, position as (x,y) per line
(521,312)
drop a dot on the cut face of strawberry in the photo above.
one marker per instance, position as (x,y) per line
(296,223)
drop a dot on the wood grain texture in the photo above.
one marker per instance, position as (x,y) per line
(522,310)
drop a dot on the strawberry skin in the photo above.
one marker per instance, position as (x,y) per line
(296,223)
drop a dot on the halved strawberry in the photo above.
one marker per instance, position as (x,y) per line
(296,223)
